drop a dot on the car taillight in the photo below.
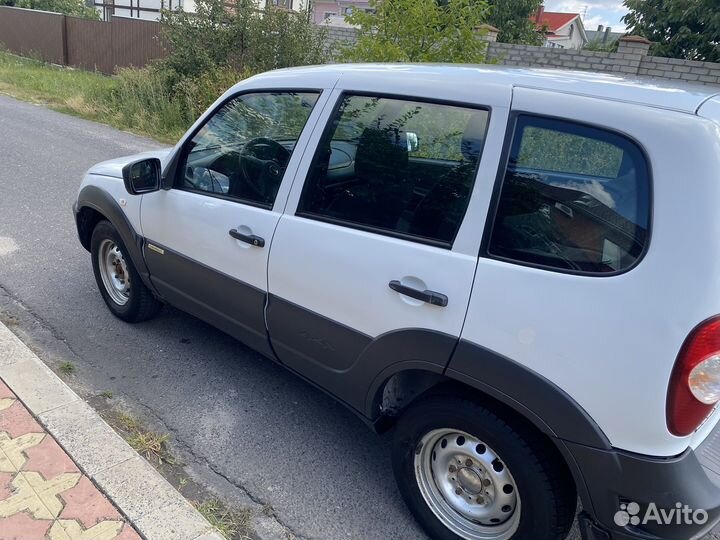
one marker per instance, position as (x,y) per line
(695,381)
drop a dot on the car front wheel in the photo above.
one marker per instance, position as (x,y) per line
(467,473)
(121,287)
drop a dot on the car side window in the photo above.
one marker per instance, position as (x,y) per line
(398,167)
(574,198)
(243,149)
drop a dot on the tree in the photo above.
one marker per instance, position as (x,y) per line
(77,8)
(513,19)
(240,35)
(418,31)
(688,29)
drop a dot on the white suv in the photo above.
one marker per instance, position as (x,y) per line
(514,269)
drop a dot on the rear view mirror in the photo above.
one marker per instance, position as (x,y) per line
(413,141)
(142,176)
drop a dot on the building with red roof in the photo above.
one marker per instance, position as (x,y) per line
(561,30)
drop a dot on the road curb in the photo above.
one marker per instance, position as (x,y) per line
(142,494)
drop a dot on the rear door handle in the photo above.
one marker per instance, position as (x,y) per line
(431,297)
(252,239)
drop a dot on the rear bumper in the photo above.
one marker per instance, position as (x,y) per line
(614,478)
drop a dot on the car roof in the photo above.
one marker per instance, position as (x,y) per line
(461,82)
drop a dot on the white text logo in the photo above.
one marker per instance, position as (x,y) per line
(681,514)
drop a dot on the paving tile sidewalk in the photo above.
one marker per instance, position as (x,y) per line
(43,494)
(49,493)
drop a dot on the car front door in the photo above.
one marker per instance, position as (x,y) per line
(372,264)
(208,237)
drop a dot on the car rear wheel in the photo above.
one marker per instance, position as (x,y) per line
(469,474)
(119,283)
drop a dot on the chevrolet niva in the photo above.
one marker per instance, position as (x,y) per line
(513,269)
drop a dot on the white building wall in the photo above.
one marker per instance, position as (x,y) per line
(569,36)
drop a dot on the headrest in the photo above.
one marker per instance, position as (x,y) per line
(474,136)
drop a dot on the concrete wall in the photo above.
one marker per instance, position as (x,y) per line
(630,59)
(339,37)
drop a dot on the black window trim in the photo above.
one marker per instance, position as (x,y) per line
(330,125)
(176,173)
(500,178)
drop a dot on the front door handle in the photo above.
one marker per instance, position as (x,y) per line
(252,239)
(431,297)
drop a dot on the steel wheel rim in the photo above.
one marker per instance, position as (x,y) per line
(114,272)
(467,486)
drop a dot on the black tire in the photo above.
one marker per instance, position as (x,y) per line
(141,304)
(544,485)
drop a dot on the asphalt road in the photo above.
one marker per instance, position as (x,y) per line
(246,428)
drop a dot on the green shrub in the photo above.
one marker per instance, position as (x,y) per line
(78,8)
(237,34)
(157,101)
(418,31)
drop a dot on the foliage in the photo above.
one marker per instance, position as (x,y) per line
(439,128)
(157,101)
(152,101)
(151,445)
(550,150)
(231,523)
(512,18)
(68,7)
(237,34)
(418,31)
(599,46)
(688,29)
(67,368)
(65,89)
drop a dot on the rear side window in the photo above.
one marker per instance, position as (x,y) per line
(574,198)
(396,167)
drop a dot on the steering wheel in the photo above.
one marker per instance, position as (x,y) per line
(262,164)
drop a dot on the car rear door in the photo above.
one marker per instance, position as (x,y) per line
(208,237)
(372,264)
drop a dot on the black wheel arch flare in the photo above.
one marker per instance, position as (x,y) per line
(100,201)
(482,373)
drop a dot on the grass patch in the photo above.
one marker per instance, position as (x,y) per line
(153,101)
(128,421)
(152,446)
(66,90)
(182,483)
(232,524)
(107,394)
(67,368)
(8,320)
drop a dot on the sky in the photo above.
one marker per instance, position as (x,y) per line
(605,12)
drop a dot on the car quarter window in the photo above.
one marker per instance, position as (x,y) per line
(396,166)
(242,151)
(573,198)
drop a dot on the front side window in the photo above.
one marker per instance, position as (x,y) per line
(243,150)
(574,198)
(397,167)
